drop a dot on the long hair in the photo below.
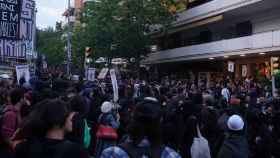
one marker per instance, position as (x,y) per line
(46,115)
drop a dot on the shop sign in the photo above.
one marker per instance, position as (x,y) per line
(230,66)
(275,65)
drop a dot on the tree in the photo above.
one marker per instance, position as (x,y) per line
(117,28)
(50,43)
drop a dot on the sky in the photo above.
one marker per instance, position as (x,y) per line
(50,11)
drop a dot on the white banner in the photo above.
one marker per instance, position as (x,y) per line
(90,74)
(45,65)
(114,84)
(23,72)
(230,66)
(103,73)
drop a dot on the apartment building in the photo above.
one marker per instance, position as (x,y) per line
(210,34)
(78,6)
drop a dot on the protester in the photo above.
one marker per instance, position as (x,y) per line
(158,117)
(77,105)
(45,130)
(107,130)
(11,120)
(226,93)
(144,135)
(235,144)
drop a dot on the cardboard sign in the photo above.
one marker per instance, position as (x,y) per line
(103,73)
(114,84)
(90,74)
(22,71)
(9,19)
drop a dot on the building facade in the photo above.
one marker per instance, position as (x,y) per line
(22,47)
(210,34)
(78,6)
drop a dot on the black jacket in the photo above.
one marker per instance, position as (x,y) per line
(234,146)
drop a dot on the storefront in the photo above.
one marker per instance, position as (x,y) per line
(253,67)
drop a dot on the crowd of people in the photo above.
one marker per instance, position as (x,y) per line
(55,117)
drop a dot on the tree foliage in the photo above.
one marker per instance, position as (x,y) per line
(50,43)
(117,28)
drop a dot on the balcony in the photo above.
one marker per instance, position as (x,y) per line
(262,42)
(212,8)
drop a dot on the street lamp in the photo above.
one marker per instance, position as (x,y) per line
(69,55)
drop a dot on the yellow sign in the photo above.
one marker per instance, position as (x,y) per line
(275,65)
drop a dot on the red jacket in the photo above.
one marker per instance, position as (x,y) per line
(9,122)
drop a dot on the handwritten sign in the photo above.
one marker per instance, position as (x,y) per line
(114,84)
(9,19)
(103,73)
(22,71)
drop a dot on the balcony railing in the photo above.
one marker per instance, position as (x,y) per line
(211,8)
(256,41)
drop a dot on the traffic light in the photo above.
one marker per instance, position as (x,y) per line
(88,52)
(275,65)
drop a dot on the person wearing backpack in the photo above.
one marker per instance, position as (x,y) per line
(81,130)
(9,121)
(107,129)
(144,135)
(44,131)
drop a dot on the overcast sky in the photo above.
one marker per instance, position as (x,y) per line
(50,11)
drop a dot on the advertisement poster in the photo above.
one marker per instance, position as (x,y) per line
(230,66)
(244,70)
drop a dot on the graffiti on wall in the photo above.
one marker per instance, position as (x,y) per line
(24,45)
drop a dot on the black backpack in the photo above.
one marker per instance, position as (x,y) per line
(134,151)
(35,149)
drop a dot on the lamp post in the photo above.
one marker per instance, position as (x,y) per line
(69,41)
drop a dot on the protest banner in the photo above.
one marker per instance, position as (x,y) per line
(114,84)
(22,71)
(103,73)
(10,19)
(90,74)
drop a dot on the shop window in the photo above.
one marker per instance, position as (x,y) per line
(205,36)
(244,29)
(195,3)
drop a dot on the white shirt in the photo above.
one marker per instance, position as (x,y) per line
(226,94)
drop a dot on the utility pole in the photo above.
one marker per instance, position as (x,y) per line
(69,41)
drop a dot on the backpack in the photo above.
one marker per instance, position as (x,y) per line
(138,152)
(87,136)
(200,147)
